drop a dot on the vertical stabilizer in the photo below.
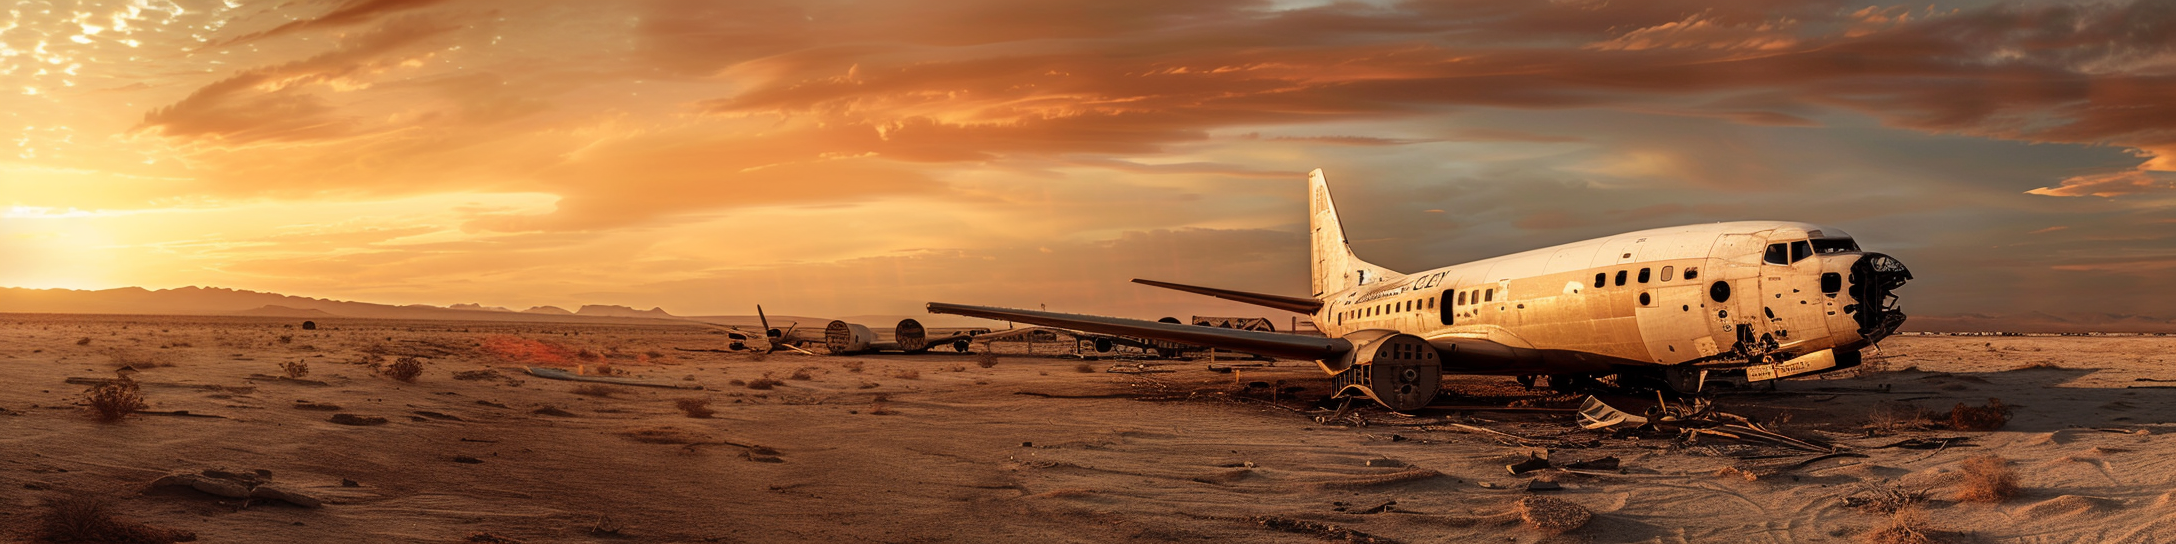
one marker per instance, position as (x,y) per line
(1333,264)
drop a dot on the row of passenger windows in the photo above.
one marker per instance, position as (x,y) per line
(1478,296)
(1401,306)
(1601,279)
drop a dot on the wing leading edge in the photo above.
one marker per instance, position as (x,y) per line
(1274,344)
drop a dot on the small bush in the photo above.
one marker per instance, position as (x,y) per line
(1986,418)
(84,341)
(1988,478)
(405,369)
(594,390)
(695,408)
(287,339)
(654,354)
(115,400)
(1906,526)
(851,366)
(802,374)
(603,370)
(881,409)
(908,374)
(764,383)
(587,355)
(957,368)
(1084,368)
(87,519)
(986,358)
(1894,416)
(296,369)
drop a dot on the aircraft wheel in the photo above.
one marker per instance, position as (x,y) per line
(960,346)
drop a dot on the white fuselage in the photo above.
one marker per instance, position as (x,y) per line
(1641,298)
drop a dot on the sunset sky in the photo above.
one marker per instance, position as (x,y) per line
(861,157)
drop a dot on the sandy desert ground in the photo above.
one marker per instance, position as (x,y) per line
(939,448)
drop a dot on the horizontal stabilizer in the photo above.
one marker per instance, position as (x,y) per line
(1274,344)
(1303,305)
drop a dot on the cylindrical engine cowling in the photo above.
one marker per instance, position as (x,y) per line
(1401,371)
(842,338)
(910,335)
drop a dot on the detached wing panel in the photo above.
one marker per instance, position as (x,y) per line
(1274,344)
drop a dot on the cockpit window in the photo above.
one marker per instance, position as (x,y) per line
(1800,251)
(1834,245)
(1777,254)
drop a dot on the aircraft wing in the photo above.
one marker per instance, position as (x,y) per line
(1273,344)
(1301,305)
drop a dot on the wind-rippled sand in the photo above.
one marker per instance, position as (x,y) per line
(937,448)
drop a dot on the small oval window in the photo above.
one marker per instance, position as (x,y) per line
(1644,274)
(1666,272)
(1720,291)
(1692,274)
(1643,299)
(1620,278)
(1600,279)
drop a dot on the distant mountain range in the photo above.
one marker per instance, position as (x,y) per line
(218,301)
(221,301)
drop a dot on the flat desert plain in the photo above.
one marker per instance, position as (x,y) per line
(1032,448)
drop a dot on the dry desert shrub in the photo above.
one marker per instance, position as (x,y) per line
(112,401)
(764,383)
(879,408)
(1906,526)
(1084,368)
(84,341)
(908,374)
(1985,418)
(296,369)
(593,390)
(1553,515)
(89,519)
(1988,478)
(957,368)
(697,408)
(287,339)
(985,358)
(758,356)
(802,374)
(1894,416)
(1885,500)
(851,366)
(405,369)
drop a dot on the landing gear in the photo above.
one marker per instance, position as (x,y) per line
(1573,383)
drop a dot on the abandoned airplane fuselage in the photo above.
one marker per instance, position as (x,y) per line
(1659,307)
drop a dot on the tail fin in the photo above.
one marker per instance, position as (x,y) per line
(1334,266)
